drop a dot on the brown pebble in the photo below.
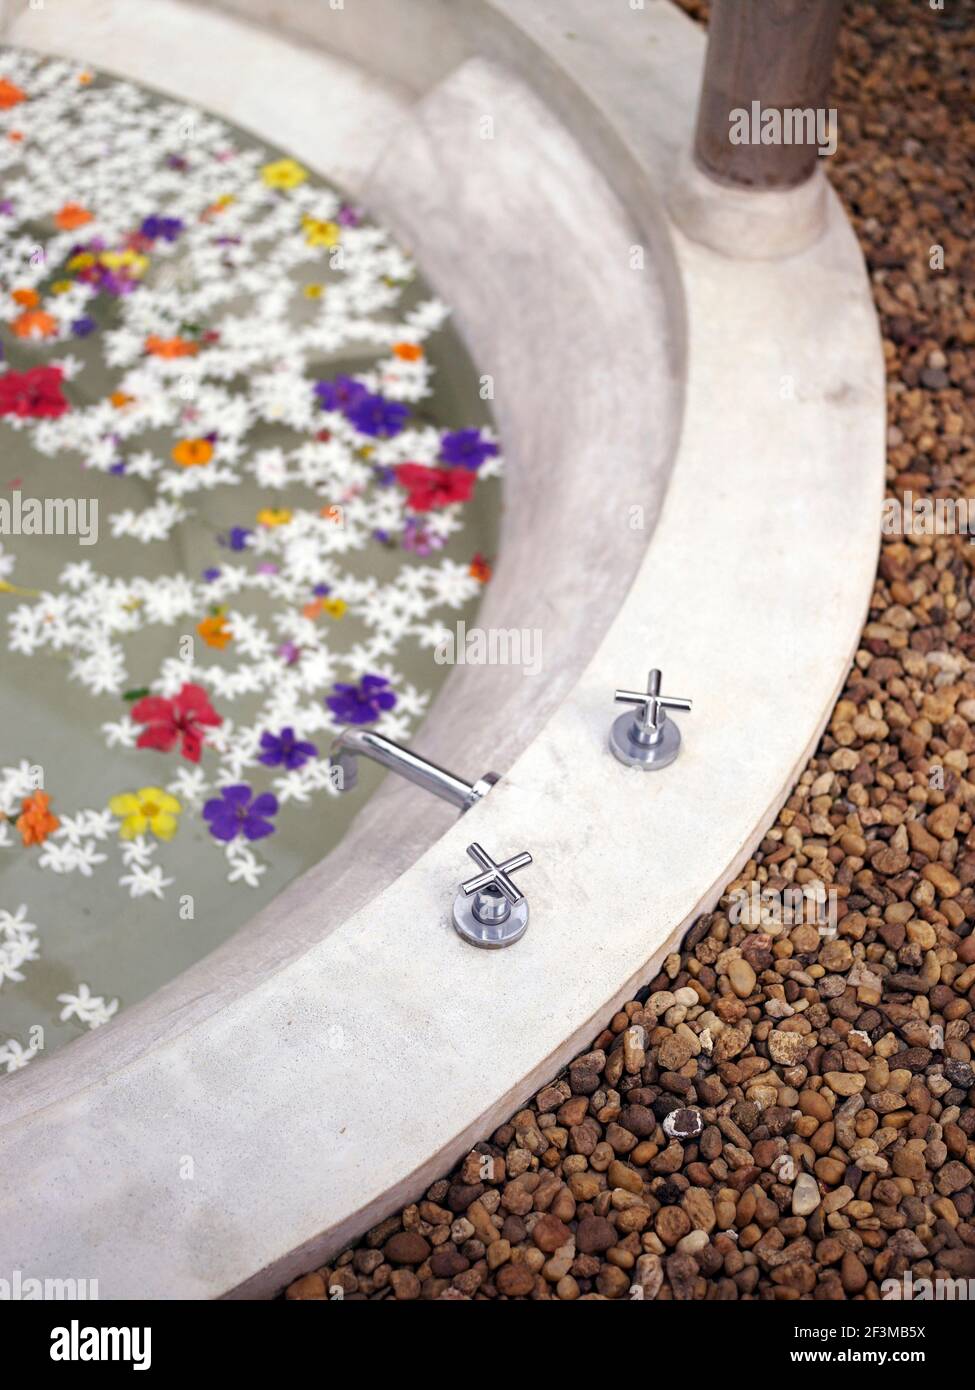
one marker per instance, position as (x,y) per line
(549,1233)
(672,1224)
(595,1234)
(852,1274)
(514,1280)
(309,1286)
(406,1248)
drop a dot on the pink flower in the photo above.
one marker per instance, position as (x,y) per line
(179,719)
(429,488)
(34,394)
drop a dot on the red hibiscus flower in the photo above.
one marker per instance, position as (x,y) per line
(429,488)
(34,394)
(180,718)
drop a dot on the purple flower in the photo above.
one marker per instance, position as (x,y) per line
(375,416)
(168,228)
(236,538)
(466,449)
(340,394)
(348,215)
(116,284)
(83,326)
(362,703)
(284,749)
(237,811)
(211,574)
(370,414)
(289,652)
(418,539)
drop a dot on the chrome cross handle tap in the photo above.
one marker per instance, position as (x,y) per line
(647,738)
(490,909)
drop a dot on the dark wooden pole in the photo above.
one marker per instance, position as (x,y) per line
(777,53)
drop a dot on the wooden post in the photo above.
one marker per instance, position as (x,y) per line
(767,55)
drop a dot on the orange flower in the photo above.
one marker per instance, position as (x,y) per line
(480,569)
(34,323)
(220,205)
(409,352)
(28,299)
(190,453)
(10,95)
(72,215)
(36,822)
(85,78)
(334,607)
(120,399)
(215,631)
(170,347)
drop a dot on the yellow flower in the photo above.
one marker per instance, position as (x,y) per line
(313,291)
(273,516)
(150,808)
(284,173)
(220,205)
(319,232)
(129,260)
(7,588)
(62,286)
(334,607)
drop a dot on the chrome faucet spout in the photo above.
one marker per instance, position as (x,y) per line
(351,744)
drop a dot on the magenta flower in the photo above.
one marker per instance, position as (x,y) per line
(34,394)
(180,720)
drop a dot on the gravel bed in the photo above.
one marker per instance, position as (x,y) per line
(788,1111)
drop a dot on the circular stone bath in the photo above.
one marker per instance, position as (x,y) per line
(277,486)
(621,351)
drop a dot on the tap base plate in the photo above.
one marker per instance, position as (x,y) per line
(651,757)
(489,936)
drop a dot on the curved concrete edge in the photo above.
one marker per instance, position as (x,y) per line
(781,449)
(304,1143)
